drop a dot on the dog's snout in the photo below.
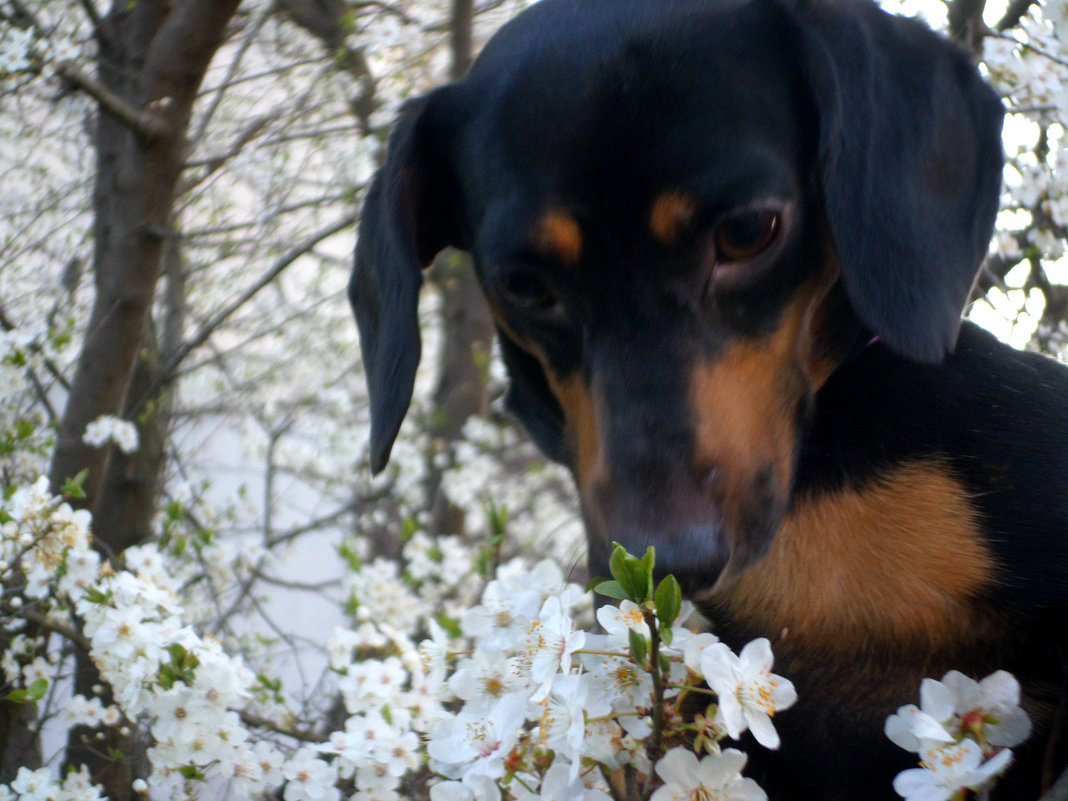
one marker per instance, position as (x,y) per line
(697,550)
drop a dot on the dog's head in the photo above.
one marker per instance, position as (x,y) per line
(684,216)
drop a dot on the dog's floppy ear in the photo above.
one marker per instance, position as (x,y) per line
(407,219)
(910,166)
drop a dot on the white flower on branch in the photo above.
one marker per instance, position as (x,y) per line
(948,769)
(717,776)
(959,705)
(107,428)
(476,743)
(749,693)
(551,640)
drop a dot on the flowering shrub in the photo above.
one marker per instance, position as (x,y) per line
(528,704)
(549,709)
(516,701)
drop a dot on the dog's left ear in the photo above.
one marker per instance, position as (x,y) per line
(910,166)
(407,220)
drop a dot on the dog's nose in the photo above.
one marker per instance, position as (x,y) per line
(694,553)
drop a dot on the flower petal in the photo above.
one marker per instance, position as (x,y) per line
(937,700)
(917,784)
(763,729)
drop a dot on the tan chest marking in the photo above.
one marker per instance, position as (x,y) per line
(898,561)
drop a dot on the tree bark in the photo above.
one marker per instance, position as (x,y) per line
(467,333)
(153,55)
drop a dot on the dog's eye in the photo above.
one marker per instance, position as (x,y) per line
(745,234)
(527,291)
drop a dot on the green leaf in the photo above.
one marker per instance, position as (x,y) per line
(274,685)
(668,602)
(591,585)
(165,677)
(617,561)
(95,596)
(24,428)
(190,772)
(498,523)
(174,510)
(639,646)
(612,589)
(452,627)
(649,560)
(35,692)
(630,574)
(37,689)
(72,487)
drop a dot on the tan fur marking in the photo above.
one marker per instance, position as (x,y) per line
(671,211)
(580,410)
(558,233)
(898,561)
(745,403)
(583,425)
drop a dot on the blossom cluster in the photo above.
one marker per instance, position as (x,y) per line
(108,428)
(545,706)
(155,665)
(962,731)
(515,699)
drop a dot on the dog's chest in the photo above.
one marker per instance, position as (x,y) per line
(897,563)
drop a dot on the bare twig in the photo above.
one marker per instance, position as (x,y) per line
(147,124)
(54,626)
(1013,14)
(261,722)
(221,317)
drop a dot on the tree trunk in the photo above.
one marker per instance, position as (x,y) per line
(153,55)
(467,332)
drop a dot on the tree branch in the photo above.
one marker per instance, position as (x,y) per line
(94,16)
(1059,790)
(260,722)
(221,317)
(47,623)
(147,124)
(1013,14)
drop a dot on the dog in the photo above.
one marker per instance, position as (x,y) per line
(726,245)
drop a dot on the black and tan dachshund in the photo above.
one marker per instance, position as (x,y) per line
(726,244)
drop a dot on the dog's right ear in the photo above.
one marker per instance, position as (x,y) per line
(910,168)
(408,218)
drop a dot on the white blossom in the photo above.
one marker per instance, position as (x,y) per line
(716,776)
(108,428)
(749,693)
(947,769)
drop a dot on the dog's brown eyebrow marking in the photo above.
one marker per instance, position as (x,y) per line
(558,233)
(671,212)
